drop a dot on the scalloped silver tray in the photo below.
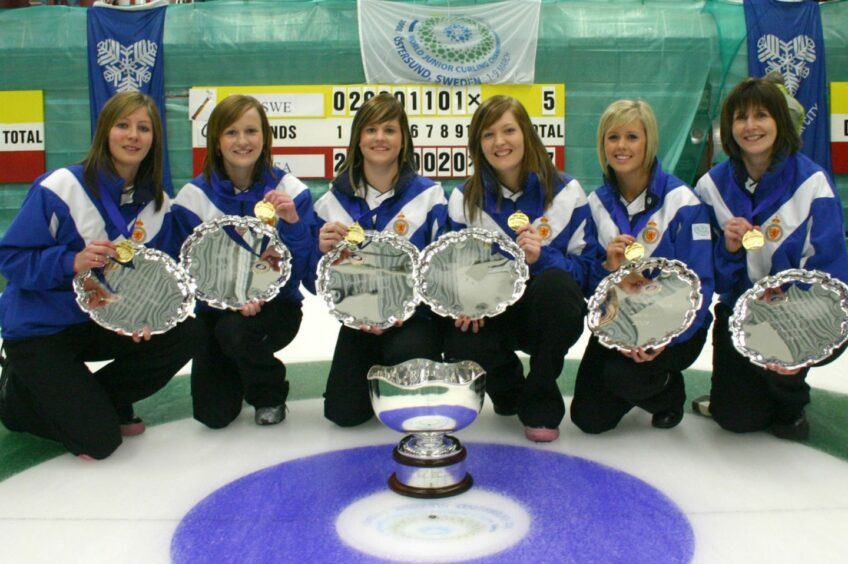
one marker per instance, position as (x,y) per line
(155,292)
(473,273)
(644,304)
(372,283)
(792,319)
(228,272)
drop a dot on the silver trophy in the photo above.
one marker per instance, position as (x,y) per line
(792,319)
(644,304)
(428,399)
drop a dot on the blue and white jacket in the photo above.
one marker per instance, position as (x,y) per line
(569,241)
(417,210)
(58,218)
(200,201)
(798,210)
(674,225)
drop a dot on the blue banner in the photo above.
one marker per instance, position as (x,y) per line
(125,53)
(787,37)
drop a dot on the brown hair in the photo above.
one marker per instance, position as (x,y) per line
(226,113)
(536,158)
(99,158)
(758,93)
(378,109)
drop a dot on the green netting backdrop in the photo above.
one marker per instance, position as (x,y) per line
(678,55)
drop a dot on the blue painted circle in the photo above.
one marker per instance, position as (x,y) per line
(581,511)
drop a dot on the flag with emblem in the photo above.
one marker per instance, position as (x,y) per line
(787,37)
(125,54)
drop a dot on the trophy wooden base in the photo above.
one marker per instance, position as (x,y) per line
(431,477)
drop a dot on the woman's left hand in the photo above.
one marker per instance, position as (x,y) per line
(781,370)
(283,206)
(251,308)
(137,336)
(374,330)
(530,242)
(640,354)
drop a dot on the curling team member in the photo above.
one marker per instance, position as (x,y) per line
(69,223)
(640,204)
(378,189)
(772,209)
(235,357)
(514,177)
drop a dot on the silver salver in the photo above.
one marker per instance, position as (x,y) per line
(235,260)
(473,273)
(428,400)
(151,291)
(370,283)
(792,319)
(644,304)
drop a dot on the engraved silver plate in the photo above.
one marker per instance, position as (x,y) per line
(792,319)
(372,283)
(645,304)
(234,260)
(151,291)
(472,273)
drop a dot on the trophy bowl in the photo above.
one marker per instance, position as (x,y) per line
(428,400)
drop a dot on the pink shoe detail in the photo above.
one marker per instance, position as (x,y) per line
(85,457)
(132,428)
(541,434)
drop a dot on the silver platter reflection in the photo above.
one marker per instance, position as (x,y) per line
(235,260)
(150,291)
(792,319)
(644,304)
(372,283)
(472,273)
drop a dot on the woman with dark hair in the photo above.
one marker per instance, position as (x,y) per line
(377,187)
(69,223)
(641,203)
(235,357)
(766,189)
(513,173)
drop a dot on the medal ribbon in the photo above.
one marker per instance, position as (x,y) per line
(114,216)
(750,210)
(231,232)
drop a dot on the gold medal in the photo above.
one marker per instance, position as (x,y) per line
(265,211)
(124,252)
(753,240)
(517,220)
(634,251)
(355,234)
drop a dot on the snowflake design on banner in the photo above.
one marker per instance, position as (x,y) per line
(789,58)
(126,68)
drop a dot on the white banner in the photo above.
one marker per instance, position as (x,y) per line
(456,46)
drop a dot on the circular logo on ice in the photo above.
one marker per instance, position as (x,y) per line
(477,524)
(453,50)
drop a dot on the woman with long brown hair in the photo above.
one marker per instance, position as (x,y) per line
(69,223)
(513,173)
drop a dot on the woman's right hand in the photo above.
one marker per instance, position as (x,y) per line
(734,230)
(463,323)
(94,255)
(330,235)
(615,251)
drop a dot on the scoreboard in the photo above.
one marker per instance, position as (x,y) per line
(311,123)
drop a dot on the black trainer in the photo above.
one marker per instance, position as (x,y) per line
(797,430)
(667,419)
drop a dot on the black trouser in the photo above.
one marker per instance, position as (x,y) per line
(51,393)
(234,361)
(745,397)
(347,401)
(610,384)
(545,322)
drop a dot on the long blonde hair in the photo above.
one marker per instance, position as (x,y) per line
(536,158)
